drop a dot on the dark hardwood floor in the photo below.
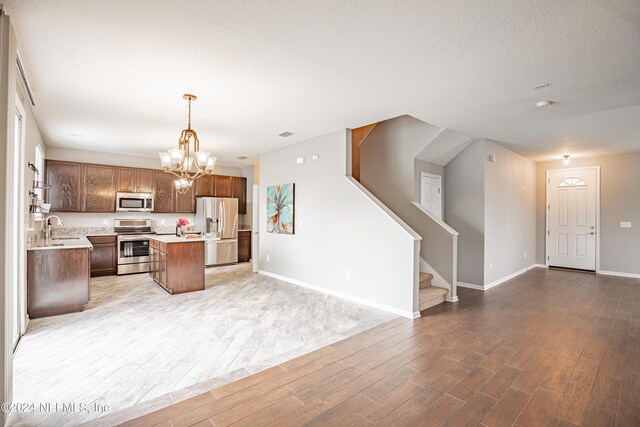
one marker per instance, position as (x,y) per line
(554,348)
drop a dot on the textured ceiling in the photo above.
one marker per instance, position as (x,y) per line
(114,72)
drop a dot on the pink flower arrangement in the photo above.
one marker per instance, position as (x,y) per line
(182,222)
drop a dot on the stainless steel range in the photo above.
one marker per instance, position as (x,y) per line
(133,245)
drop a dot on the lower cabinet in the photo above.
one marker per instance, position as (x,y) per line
(244,245)
(57,281)
(104,256)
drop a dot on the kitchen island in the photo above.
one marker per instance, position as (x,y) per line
(57,276)
(177,263)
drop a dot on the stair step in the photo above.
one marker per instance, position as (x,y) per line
(425,280)
(432,296)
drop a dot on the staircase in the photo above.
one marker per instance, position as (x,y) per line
(430,296)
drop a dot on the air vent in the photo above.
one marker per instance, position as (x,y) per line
(286,134)
(241,157)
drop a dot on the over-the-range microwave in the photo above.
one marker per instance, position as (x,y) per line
(134,202)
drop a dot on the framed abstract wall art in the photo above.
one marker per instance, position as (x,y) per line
(280,208)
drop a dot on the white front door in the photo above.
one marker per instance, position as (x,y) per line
(572,218)
(431,193)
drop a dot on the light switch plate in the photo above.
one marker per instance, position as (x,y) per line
(625,224)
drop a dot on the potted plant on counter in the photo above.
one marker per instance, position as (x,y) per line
(182,226)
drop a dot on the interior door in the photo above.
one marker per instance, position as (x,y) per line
(572,218)
(431,193)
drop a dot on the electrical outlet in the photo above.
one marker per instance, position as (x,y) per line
(162,221)
(490,266)
(301,225)
(625,224)
(347,274)
(525,255)
(268,259)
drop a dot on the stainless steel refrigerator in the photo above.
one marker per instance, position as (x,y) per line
(217,218)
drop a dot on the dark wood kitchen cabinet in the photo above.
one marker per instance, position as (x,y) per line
(204,186)
(144,180)
(127,180)
(165,190)
(134,180)
(240,193)
(177,264)
(244,245)
(57,281)
(223,186)
(185,203)
(65,179)
(104,256)
(99,188)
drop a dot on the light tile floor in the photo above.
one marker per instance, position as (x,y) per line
(136,343)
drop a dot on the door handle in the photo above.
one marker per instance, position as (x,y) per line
(592,233)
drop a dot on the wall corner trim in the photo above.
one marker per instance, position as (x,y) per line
(363,301)
(618,274)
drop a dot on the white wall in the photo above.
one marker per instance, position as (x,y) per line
(337,229)
(510,213)
(464,210)
(492,205)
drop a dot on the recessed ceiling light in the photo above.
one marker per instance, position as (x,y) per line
(241,157)
(77,135)
(286,134)
(566,158)
(544,103)
(541,85)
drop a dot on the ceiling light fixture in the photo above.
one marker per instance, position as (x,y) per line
(566,158)
(541,85)
(179,161)
(241,157)
(545,103)
(286,134)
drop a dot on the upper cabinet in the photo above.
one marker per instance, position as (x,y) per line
(223,186)
(79,187)
(99,184)
(164,200)
(144,180)
(133,180)
(240,193)
(204,186)
(126,180)
(185,203)
(65,178)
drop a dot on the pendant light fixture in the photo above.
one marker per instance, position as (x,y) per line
(187,162)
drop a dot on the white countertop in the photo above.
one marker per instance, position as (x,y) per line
(176,239)
(76,242)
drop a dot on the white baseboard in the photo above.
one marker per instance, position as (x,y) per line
(470,286)
(540,266)
(454,299)
(509,277)
(363,301)
(619,274)
(499,281)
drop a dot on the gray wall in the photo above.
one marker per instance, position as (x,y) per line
(464,210)
(387,170)
(619,201)
(510,220)
(337,229)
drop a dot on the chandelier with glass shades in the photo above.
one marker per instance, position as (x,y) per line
(187,162)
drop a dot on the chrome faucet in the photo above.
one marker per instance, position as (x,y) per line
(47,222)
